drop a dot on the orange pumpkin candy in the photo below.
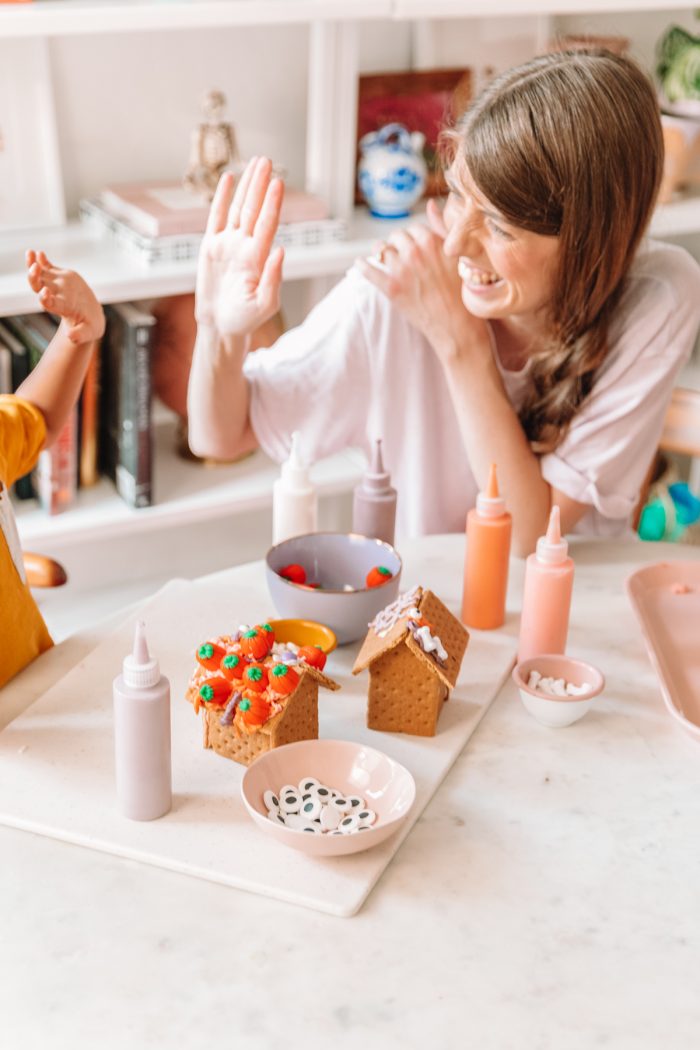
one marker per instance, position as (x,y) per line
(255,710)
(377,576)
(313,655)
(254,644)
(215,691)
(210,655)
(283,679)
(255,678)
(232,667)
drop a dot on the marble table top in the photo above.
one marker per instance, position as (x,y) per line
(547,898)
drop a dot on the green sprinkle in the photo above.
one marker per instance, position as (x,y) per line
(252,633)
(244,705)
(231,660)
(266,627)
(206,651)
(206,693)
(254,674)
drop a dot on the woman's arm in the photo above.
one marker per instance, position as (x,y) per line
(238,280)
(423,283)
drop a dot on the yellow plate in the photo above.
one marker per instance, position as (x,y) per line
(304,632)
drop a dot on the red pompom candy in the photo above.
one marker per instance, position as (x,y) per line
(293,573)
(313,655)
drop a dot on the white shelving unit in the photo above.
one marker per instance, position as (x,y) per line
(188,493)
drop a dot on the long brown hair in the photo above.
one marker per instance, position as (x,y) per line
(568,144)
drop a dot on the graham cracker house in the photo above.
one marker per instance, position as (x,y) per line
(244,718)
(414,650)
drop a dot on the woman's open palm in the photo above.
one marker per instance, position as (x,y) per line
(239,272)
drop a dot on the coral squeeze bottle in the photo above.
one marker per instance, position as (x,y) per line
(374,501)
(294,499)
(549,581)
(486,566)
(142,735)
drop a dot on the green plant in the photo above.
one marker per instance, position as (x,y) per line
(678,66)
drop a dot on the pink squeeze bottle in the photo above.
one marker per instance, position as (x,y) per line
(549,580)
(374,501)
(142,735)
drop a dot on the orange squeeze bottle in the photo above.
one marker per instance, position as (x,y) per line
(486,565)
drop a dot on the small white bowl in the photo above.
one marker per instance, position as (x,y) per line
(386,786)
(558,711)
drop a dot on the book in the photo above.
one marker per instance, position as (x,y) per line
(126,439)
(55,477)
(184,247)
(166,209)
(19,370)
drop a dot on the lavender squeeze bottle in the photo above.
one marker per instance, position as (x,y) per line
(374,501)
(142,735)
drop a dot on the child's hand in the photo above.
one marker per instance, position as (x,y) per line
(65,293)
(239,273)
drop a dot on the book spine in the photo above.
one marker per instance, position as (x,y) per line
(87,472)
(55,472)
(133,468)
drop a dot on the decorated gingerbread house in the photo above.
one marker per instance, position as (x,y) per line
(255,694)
(413,649)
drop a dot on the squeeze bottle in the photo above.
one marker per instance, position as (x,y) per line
(294,499)
(549,580)
(486,565)
(374,501)
(142,734)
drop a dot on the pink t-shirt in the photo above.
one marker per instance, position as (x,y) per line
(357,369)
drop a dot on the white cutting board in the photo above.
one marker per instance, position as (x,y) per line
(57,760)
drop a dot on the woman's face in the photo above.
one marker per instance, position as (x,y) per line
(505,271)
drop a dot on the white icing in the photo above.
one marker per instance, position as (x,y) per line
(430,643)
(391,614)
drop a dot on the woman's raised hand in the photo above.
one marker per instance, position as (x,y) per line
(239,272)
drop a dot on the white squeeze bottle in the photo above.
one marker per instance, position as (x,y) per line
(142,734)
(294,499)
(549,580)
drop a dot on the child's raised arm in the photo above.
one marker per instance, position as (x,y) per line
(54,385)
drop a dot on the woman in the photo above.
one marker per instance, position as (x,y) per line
(527,325)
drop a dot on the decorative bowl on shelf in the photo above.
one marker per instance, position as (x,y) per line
(392,171)
(386,787)
(558,711)
(339,563)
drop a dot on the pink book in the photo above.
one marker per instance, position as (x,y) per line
(161,209)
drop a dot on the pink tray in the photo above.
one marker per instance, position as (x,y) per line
(666,599)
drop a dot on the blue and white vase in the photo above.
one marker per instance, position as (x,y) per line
(392,171)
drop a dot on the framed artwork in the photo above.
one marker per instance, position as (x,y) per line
(31,183)
(422,101)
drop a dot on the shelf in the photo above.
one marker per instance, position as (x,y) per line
(72,17)
(409,9)
(116,275)
(186,492)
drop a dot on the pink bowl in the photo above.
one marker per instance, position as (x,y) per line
(558,711)
(386,786)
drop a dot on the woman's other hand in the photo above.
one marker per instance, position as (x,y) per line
(424,284)
(239,272)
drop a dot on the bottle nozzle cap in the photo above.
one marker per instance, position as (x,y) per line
(490,503)
(140,669)
(376,477)
(552,547)
(294,469)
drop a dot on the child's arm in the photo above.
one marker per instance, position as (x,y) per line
(238,281)
(54,385)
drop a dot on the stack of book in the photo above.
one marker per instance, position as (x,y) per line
(110,430)
(164,222)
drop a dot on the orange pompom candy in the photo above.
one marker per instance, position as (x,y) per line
(293,573)
(377,576)
(254,644)
(215,691)
(232,667)
(255,710)
(313,655)
(283,679)
(210,655)
(255,678)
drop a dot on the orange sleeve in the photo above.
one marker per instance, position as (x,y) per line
(22,435)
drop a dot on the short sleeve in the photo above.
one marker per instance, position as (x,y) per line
(606,452)
(314,379)
(22,435)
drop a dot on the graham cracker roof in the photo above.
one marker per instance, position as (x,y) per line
(453,635)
